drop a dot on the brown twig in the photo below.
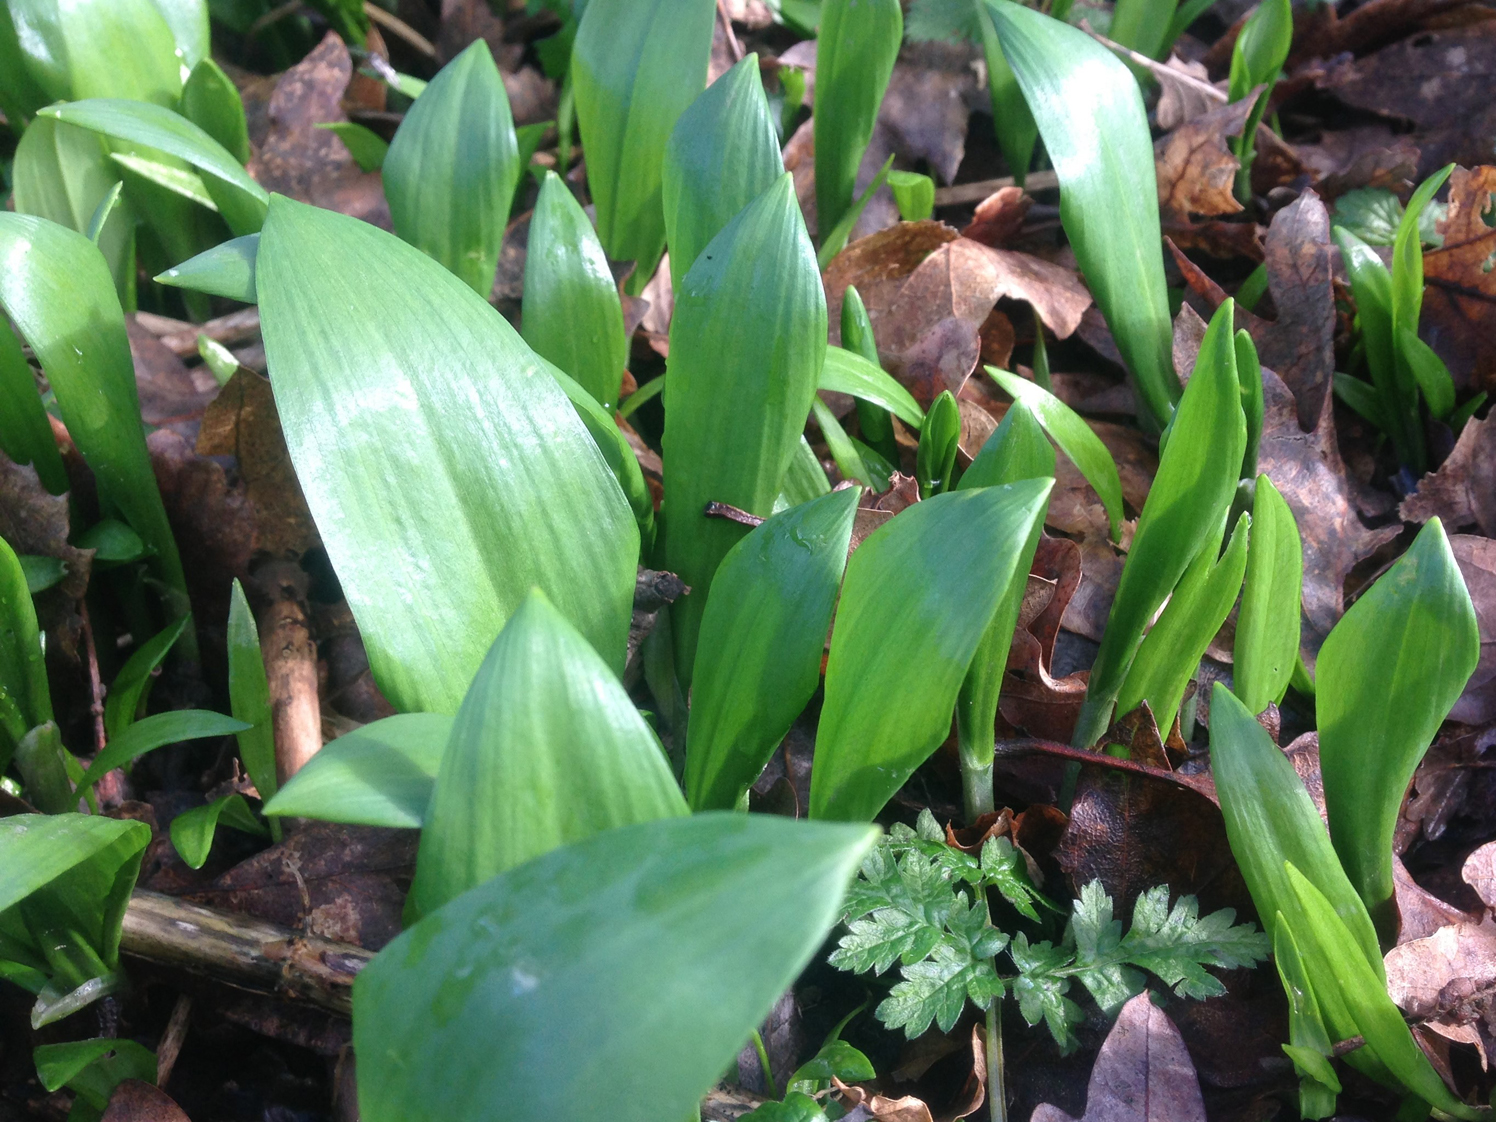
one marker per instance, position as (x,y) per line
(732,40)
(397,26)
(976,192)
(95,681)
(290,666)
(732,514)
(171,1040)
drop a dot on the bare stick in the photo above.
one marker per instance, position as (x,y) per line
(290,667)
(171,1040)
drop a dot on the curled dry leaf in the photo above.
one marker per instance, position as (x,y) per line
(1459,304)
(1143,1073)
(1032,699)
(1185,92)
(1420,912)
(311,164)
(1196,168)
(871,1107)
(1463,490)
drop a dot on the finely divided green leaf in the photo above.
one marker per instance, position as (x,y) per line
(746,346)
(1386,677)
(448,472)
(918,596)
(528,989)
(451,169)
(1089,111)
(722,154)
(378,775)
(571,314)
(762,633)
(1267,628)
(546,750)
(635,66)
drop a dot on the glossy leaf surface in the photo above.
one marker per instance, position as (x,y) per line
(25,432)
(211,101)
(1185,508)
(448,472)
(762,635)
(746,345)
(192,831)
(1386,677)
(571,314)
(635,66)
(451,169)
(849,373)
(103,48)
(1267,628)
(57,291)
(227,269)
(918,596)
(1261,48)
(249,695)
(1270,819)
(150,733)
(722,154)
(378,775)
(529,989)
(240,199)
(856,45)
(546,750)
(1089,111)
(25,700)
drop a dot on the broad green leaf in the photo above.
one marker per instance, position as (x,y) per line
(722,154)
(225,270)
(240,199)
(746,345)
(635,67)
(25,432)
(448,472)
(1089,111)
(366,146)
(188,20)
(1267,628)
(101,48)
(1386,677)
(913,194)
(25,700)
(150,733)
(1170,653)
(1364,398)
(135,678)
(57,291)
(804,479)
(529,990)
(46,768)
(249,696)
(762,633)
(795,1107)
(1270,819)
(1016,450)
(85,864)
(1143,25)
(20,96)
(42,573)
(377,775)
(1323,940)
(849,373)
(935,458)
(1076,439)
(113,543)
(192,831)
(211,101)
(833,240)
(1261,48)
(1011,119)
(61,1065)
(918,596)
(1427,370)
(571,314)
(1185,509)
(546,750)
(450,172)
(856,46)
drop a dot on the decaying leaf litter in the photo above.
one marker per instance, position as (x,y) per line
(1359,106)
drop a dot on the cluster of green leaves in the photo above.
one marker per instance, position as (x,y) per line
(1257,59)
(923,903)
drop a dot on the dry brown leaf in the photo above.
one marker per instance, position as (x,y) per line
(170,394)
(35,522)
(880,1108)
(998,217)
(1420,912)
(1463,490)
(1430,978)
(136,1101)
(1196,168)
(1185,92)
(311,164)
(878,265)
(1477,560)
(1479,873)
(1143,1073)
(1459,304)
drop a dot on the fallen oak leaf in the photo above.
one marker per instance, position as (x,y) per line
(1463,489)
(998,217)
(1459,303)
(1143,1073)
(1196,168)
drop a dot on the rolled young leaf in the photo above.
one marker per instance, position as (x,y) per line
(451,169)
(528,990)
(635,66)
(1076,439)
(58,293)
(240,199)
(1311,1045)
(1249,375)
(1371,285)
(722,154)
(939,438)
(1017,449)
(1261,48)
(571,315)
(1185,509)
(1089,111)
(448,472)
(857,338)
(762,635)
(380,774)
(917,599)
(1171,652)
(1270,819)
(1386,678)
(1267,628)
(856,45)
(746,345)
(546,750)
